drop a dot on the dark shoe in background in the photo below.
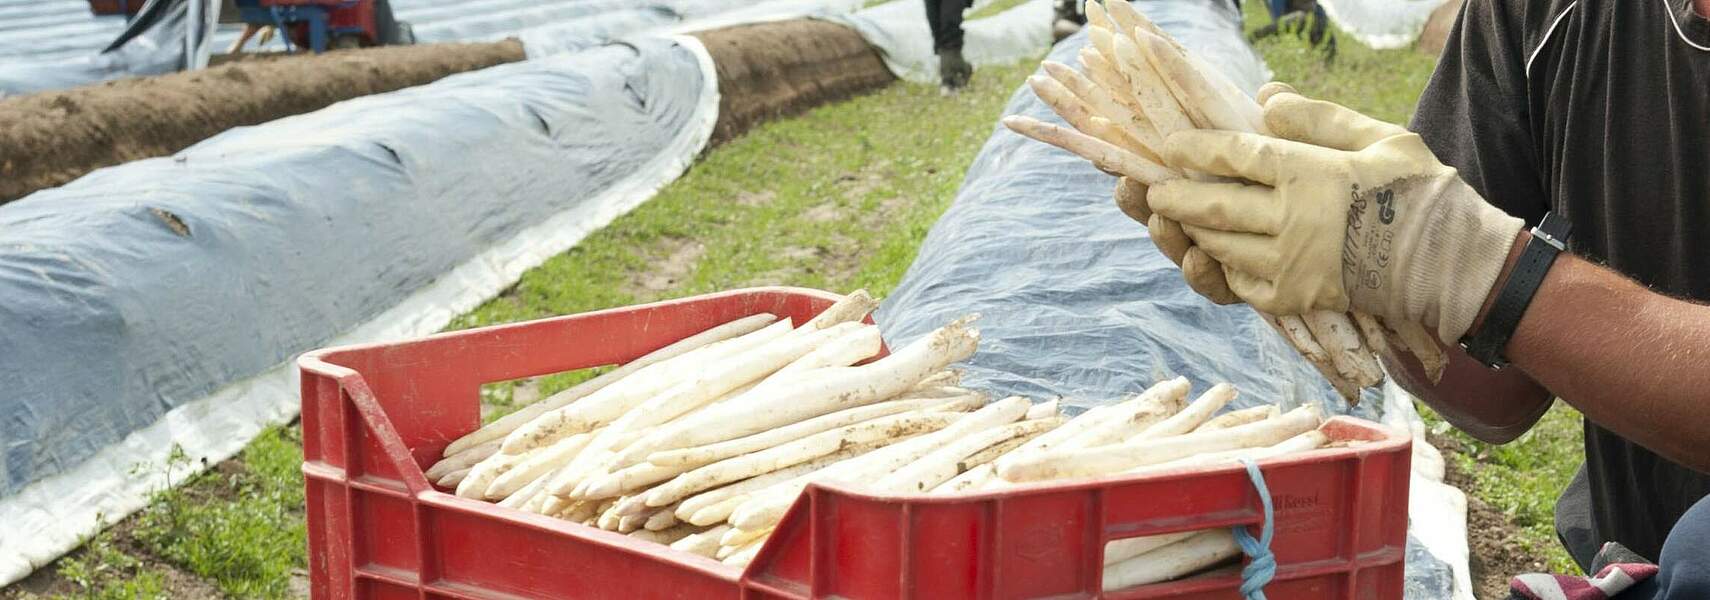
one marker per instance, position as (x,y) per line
(953,70)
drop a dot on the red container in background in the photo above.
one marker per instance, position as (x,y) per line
(374,416)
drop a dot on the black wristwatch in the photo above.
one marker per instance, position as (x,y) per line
(1549,239)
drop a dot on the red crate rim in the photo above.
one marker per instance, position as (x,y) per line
(1377,438)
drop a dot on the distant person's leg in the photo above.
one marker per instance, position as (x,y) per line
(1068,20)
(945,19)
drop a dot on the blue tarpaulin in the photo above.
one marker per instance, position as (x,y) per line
(144,301)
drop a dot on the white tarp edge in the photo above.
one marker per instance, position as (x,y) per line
(900,32)
(1436,511)
(1381,24)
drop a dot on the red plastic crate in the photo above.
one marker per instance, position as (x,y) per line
(375,415)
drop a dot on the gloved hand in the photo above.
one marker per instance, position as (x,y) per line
(1343,211)
(1202,272)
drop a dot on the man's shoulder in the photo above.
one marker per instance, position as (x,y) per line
(1526,22)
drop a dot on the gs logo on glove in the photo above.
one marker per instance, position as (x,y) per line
(1386,206)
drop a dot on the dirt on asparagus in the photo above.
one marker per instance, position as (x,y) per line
(51,138)
(769,70)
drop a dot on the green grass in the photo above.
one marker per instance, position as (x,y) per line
(103,572)
(242,531)
(1521,478)
(1381,83)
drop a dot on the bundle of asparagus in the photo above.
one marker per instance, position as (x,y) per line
(704,444)
(1139,87)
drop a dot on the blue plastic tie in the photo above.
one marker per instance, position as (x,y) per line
(1262,565)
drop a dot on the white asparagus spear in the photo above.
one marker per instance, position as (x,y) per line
(580,511)
(947,377)
(609,519)
(1103,41)
(1114,458)
(852,307)
(829,390)
(689,509)
(718,512)
(461,460)
(1104,104)
(664,537)
(521,498)
(1123,420)
(713,506)
(711,453)
(1191,88)
(1096,15)
(637,475)
(1102,70)
(766,507)
(1310,440)
(694,392)
(1055,437)
(1212,75)
(630,523)
(732,373)
(796,452)
(1339,337)
(482,475)
(1416,339)
(450,480)
(537,464)
(1372,332)
(1240,417)
(586,512)
(992,452)
(661,520)
(1104,155)
(1120,550)
(1190,418)
(633,479)
(1296,333)
(970,480)
(508,423)
(1125,18)
(746,554)
(860,343)
(1161,108)
(611,402)
(1197,552)
(940,465)
(1043,410)
(632,505)
(739,537)
(1083,118)
(704,543)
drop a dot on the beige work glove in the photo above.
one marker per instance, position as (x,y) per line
(1202,272)
(1342,212)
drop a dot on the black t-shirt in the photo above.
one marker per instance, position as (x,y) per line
(1598,110)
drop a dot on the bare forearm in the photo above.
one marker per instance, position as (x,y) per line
(1634,361)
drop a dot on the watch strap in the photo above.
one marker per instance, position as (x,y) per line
(1549,240)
